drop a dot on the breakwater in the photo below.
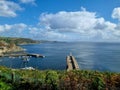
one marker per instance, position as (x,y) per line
(71,63)
(23,54)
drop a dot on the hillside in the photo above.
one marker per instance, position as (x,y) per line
(16,79)
(18,41)
(6,47)
(8,44)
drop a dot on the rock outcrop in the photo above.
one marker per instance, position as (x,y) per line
(8,47)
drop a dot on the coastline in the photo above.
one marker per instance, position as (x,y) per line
(55,57)
(17,50)
(28,43)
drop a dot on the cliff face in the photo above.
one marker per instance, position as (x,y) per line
(8,47)
(9,44)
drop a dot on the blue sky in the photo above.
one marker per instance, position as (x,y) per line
(62,20)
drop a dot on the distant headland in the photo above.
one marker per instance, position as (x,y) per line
(10,44)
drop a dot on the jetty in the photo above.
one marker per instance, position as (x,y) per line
(22,54)
(35,55)
(71,63)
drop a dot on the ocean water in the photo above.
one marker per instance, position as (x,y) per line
(91,56)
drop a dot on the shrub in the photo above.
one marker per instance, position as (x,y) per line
(52,79)
(5,86)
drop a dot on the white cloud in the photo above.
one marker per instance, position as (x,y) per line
(67,26)
(14,30)
(8,8)
(68,20)
(28,1)
(79,25)
(116,13)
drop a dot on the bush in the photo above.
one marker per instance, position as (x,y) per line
(5,86)
(97,84)
(58,80)
(52,79)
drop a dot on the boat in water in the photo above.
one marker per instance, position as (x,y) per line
(28,68)
(25,59)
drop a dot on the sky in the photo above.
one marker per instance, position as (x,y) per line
(61,20)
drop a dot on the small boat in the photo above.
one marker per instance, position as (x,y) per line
(19,57)
(11,57)
(26,59)
(43,56)
(28,68)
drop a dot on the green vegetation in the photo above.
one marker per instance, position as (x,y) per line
(11,79)
(18,41)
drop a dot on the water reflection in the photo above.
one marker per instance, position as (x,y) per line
(93,56)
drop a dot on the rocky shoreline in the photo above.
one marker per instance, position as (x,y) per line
(9,47)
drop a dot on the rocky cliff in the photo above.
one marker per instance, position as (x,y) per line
(8,47)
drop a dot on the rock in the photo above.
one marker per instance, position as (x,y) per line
(9,47)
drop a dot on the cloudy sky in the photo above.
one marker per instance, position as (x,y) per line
(61,20)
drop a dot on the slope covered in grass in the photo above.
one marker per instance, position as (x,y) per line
(12,79)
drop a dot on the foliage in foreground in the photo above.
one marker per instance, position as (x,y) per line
(58,80)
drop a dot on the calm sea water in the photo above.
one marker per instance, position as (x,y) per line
(92,56)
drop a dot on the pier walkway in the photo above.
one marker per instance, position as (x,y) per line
(71,63)
(23,54)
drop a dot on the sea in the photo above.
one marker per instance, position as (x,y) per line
(99,56)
